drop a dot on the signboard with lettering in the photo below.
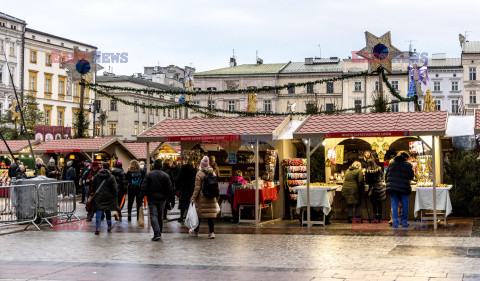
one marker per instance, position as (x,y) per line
(367,134)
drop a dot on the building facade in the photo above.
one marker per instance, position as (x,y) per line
(125,121)
(11,59)
(324,96)
(247,76)
(171,75)
(471,83)
(46,78)
(445,83)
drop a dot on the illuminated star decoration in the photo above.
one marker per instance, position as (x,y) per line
(379,52)
(82,63)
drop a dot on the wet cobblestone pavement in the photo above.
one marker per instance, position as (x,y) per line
(276,251)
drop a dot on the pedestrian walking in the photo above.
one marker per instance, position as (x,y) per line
(158,189)
(206,207)
(106,194)
(121,180)
(95,168)
(185,187)
(353,188)
(54,171)
(376,188)
(168,169)
(134,180)
(398,177)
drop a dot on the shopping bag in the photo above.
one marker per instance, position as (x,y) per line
(191,221)
(226,209)
(141,219)
(217,207)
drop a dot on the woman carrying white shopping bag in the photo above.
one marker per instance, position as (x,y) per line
(205,197)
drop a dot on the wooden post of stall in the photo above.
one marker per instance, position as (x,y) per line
(257,178)
(434,160)
(147,161)
(308,184)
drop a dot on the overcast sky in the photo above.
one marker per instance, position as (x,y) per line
(203,33)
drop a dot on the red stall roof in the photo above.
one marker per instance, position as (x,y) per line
(210,129)
(16,145)
(76,145)
(477,122)
(374,125)
(140,148)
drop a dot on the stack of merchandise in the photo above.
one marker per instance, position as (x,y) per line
(270,163)
(295,175)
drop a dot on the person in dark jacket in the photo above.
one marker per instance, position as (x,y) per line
(398,177)
(353,188)
(167,168)
(121,179)
(376,189)
(158,188)
(367,155)
(105,186)
(70,173)
(83,177)
(185,187)
(54,171)
(20,173)
(12,171)
(134,180)
(95,168)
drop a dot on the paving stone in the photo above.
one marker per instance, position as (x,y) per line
(431,274)
(445,279)
(402,278)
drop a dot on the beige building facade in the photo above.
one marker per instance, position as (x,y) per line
(471,83)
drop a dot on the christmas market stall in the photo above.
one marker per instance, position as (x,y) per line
(357,137)
(98,149)
(241,146)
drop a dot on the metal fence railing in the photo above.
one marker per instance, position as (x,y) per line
(37,203)
(18,205)
(56,200)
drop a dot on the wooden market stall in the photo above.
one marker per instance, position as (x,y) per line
(345,136)
(97,149)
(230,140)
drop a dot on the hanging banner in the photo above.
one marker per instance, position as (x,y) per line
(47,133)
(367,134)
(339,154)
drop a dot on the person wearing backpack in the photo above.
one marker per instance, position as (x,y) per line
(134,179)
(158,188)
(121,179)
(205,196)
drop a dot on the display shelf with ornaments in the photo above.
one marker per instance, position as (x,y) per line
(423,168)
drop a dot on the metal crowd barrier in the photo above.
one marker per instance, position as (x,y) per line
(18,205)
(56,200)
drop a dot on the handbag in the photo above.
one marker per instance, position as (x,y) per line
(226,209)
(92,196)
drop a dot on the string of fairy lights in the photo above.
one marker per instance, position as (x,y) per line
(207,111)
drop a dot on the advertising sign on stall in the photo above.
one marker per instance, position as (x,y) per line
(47,133)
(232,158)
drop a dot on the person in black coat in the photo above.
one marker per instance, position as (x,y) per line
(158,188)
(105,187)
(185,187)
(398,177)
(376,189)
(121,179)
(20,173)
(12,170)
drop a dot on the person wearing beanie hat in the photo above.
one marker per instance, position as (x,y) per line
(54,171)
(70,174)
(206,207)
(121,179)
(158,188)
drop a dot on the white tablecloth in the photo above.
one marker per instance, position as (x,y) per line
(424,199)
(320,197)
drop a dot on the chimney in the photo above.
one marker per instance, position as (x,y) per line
(233,62)
(308,61)
(439,56)
(259,61)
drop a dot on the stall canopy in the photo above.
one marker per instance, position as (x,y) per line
(17,146)
(87,146)
(140,148)
(374,124)
(214,129)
